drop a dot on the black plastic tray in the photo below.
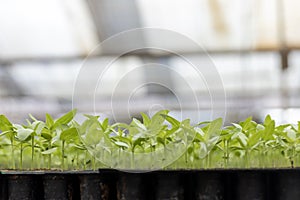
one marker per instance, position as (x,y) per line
(107,184)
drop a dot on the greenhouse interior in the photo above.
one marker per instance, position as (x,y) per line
(136,99)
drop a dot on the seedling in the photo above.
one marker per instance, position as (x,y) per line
(63,143)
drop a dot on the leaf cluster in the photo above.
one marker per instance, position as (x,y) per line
(63,143)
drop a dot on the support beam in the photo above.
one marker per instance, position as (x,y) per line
(113,17)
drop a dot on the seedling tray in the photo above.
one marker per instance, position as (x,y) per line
(108,184)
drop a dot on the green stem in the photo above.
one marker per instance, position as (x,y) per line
(21,156)
(165,152)
(84,160)
(132,159)
(13,153)
(111,158)
(193,154)
(151,154)
(208,161)
(40,161)
(263,156)
(264,159)
(119,156)
(292,157)
(44,161)
(186,156)
(32,150)
(94,163)
(261,159)
(247,159)
(49,156)
(63,155)
(77,160)
(226,153)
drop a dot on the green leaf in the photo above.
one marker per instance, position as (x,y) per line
(38,127)
(247,123)
(254,139)
(32,117)
(138,142)
(65,119)
(203,123)
(121,144)
(239,127)
(49,121)
(242,138)
(121,125)
(160,140)
(260,127)
(5,132)
(92,117)
(124,139)
(139,124)
(146,119)
(93,135)
(157,120)
(23,134)
(105,124)
(171,120)
(269,130)
(28,122)
(268,120)
(46,135)
(80,147)
(214,128)
(172,131)
(5,124)
(69,134)
(291,135)
(86,125)
(49,151)
(203,150)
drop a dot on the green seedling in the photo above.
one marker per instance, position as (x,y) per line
(63,143)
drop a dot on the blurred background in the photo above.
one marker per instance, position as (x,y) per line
(254,44)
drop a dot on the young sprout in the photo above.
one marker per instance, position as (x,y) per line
(37,127)
(208,137)
(248,136)
(226,142)
(290,140)
(65,143)
(23,136)
(8,130)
